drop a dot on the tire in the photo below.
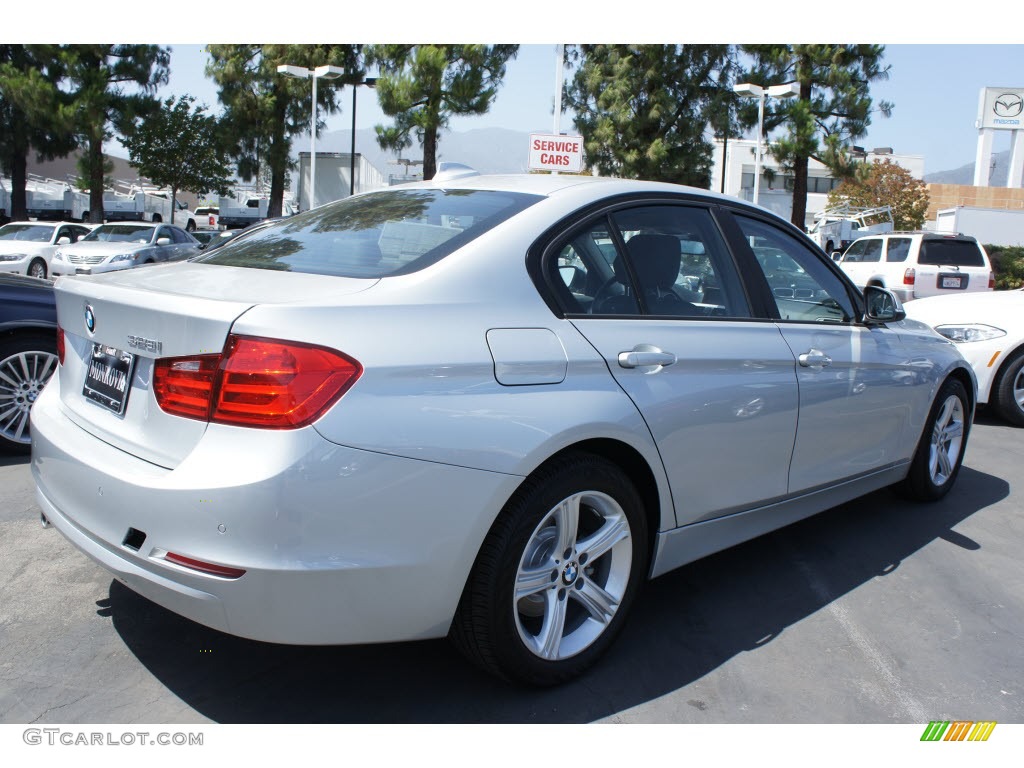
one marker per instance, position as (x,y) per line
(85,217)
(940,451)
(26,363)
(574,540)
(37,269)
(1008,390)
(157,218)
(191,226)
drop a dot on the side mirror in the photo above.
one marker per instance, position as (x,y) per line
(63,240)
(882,306)
(163,241)
(837,255)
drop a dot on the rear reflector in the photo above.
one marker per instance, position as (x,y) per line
(204,567)
(991,281)
(255,382)
(60,345)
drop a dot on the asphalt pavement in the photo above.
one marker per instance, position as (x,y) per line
(877,611)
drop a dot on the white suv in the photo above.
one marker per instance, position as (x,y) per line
(914,265)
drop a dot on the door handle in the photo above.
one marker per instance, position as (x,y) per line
(645,356)
(814,358)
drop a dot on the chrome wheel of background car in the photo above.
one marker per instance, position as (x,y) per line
(1008,390)
(23,374)
(37,269)
(947,440)
(573,575)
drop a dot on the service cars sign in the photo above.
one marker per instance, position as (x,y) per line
(556,153)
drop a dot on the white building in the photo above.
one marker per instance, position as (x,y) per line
(776,191)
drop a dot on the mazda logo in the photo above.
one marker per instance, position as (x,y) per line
(1008,105)
(90,319)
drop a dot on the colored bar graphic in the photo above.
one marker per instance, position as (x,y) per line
(934,730)
(958,730)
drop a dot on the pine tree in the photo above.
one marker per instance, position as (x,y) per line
(423,86)
(643,109)
(265,110)
(833,109)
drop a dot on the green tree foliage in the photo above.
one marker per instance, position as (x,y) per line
(834,106)
(265,110)
(423,86)
(886,183)
(643,109)
(1008,264)
(34,113)
(110,86)
(176,148)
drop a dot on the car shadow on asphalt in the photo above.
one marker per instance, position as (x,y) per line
(14,459)
(684,625)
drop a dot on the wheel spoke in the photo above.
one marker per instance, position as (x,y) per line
(567,519)
(954,430)
(531,581)
(598,603)
(944,463)
(613,531)
(549,639)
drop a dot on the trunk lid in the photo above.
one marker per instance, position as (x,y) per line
(150,313)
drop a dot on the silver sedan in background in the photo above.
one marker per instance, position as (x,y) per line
(112,247)
(482,407)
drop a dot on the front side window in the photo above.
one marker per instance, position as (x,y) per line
(393,232)
(802,285)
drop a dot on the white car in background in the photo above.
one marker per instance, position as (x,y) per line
(26,247)
(988,329)
(124,245)
(207,217)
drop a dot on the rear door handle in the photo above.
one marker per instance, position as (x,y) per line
(814,358)
(645,356)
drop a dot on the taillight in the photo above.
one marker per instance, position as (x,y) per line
(213,221)
(184,385)
(991,281)
(908,277)
(60,345)
(255,382)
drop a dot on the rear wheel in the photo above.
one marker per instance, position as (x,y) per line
(940,452)
(191,226)
(26,364)
(556,575)
(1008,390)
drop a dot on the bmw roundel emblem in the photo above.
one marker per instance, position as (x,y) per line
(570,573)
(90,319)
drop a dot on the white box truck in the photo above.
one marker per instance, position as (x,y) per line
(333,177)
(989,226)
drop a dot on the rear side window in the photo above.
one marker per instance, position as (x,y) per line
(951,253)
(393,232)
(898,249)
(864,250)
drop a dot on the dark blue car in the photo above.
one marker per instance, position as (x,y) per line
(28,354)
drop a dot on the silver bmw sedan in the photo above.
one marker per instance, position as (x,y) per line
(482,407)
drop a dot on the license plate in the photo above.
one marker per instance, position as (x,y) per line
(109,378)
(951,282)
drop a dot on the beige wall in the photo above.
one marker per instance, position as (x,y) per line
(951,195)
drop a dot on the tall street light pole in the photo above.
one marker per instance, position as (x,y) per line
(325,72)
(776,91)
(369,82)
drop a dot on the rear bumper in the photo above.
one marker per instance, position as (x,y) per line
(338,545)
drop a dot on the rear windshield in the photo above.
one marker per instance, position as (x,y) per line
(951,253)
(393,232)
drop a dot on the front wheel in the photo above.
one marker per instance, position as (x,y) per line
(556,574)
(37,269)
(1008,390)
(940,451)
